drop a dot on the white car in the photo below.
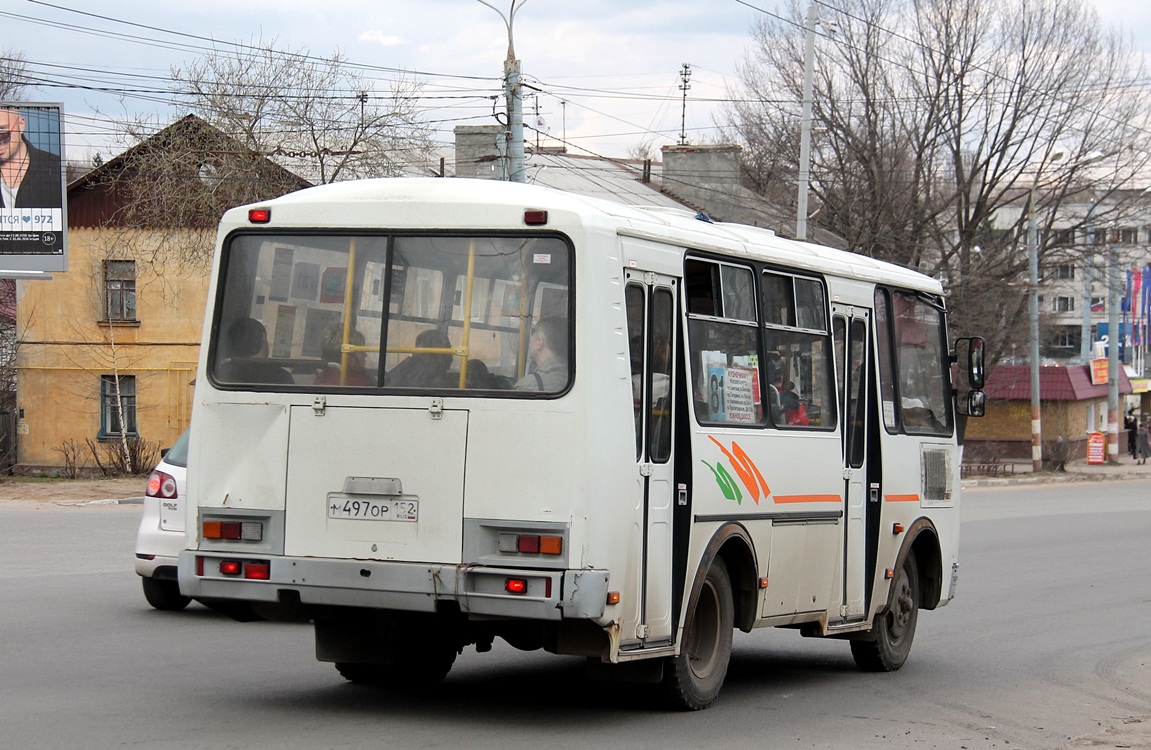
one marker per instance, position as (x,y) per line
(161,534)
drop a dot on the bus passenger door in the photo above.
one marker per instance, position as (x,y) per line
(651,306)
(850,327)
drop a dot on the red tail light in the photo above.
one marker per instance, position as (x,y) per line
(161,485)
(260,571)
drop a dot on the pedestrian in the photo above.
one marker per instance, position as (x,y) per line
(1144,442)
(1132,426)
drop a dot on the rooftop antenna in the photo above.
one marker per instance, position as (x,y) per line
(685,77)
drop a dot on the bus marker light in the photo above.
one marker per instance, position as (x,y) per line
(199,566)
(613,597)
(516,585)
(259,215)
(530,544)
(231,567)
(535,218)
(248,531)
(889,574)
(897,529)
(763,583)
(260,571)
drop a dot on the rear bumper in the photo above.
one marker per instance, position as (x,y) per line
(155,547)
(415,587)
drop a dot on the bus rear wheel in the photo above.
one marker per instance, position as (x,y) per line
(886,646)
(694,676)
(408,672)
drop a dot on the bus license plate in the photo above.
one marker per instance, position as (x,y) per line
(368,509)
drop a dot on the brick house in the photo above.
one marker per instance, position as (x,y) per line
(1071,407)
(109,348)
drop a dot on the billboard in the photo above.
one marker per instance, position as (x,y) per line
(33,207)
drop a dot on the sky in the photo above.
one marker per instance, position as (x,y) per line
(608,71)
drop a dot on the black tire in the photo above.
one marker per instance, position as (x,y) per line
(887,645)
(694,677)
(164,594)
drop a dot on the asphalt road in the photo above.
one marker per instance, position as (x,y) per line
(1048,646)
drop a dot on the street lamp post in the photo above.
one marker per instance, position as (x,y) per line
(805,122)
(1113,339)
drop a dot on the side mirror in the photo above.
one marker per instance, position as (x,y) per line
(975,362)
(976,403)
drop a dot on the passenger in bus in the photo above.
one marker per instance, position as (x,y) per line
(331,346)
(775,389)
(480,377)
(547,349)
(793,409)
(247,351)
(425,369)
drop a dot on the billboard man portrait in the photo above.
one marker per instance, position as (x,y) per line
(30,176)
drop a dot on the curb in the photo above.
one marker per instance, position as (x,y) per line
(108,501)
(1046,478)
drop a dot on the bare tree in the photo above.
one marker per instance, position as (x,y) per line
(938,122)
(319,117)
(172,187)
(14,79)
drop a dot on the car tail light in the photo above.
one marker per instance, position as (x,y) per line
(161,484)
(516,585)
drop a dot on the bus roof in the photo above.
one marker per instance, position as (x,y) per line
(344,204)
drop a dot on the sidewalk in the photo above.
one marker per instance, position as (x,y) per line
(122,490)
(1078,470)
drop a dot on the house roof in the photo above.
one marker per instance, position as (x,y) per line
(611,179)
(101,195)
(1070,383)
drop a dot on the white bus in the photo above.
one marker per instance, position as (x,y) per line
(433,412)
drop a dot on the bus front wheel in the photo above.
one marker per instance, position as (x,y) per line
(885,647)
(695,676)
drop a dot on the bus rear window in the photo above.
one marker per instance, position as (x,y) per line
(410,313)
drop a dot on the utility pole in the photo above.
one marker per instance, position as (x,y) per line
(1033,316)
(805,123)
(513,94)
(1088,278)
(684,86)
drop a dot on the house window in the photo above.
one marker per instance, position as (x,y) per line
(117,419)
(1066,338)
(120,289)
(1128,235)
(1065,271)
(1064,304)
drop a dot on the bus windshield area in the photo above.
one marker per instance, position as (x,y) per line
(913,364)
(312,312)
